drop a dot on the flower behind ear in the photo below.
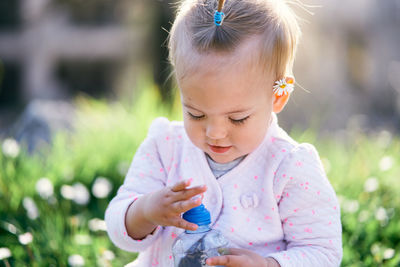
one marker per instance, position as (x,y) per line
(283,87)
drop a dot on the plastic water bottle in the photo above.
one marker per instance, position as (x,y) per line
(193,248)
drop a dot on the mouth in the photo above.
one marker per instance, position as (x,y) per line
(219,149)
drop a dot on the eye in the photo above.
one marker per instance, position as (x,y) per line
(195,117)
(240,121)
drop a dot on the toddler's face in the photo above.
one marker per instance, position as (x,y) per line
(227,105)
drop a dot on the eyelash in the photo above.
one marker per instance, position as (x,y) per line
(237,122)
(195,117)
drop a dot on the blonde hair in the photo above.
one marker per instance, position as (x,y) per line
(194,33)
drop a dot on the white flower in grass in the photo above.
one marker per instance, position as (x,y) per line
(123,167)
(44,187)
(82,239)
(67,192)
(386,163)
(97,225)
(10,148)
(363,216)
(31,208)
(4,253)
(26,238)
(11,228)
(350,206)
(101,187)
(282,87)
(76,260)
(388,253)
(108,255)
(77,192)
(381,214)
(375,248)
(371,185)
(81,194)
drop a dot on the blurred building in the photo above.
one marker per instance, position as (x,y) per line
(53,48)
(348,58)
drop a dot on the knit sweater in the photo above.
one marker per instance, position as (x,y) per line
(276,202)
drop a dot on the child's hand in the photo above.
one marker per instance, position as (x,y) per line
(164,207)
(234,257)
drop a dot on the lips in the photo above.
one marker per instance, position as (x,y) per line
(219,149)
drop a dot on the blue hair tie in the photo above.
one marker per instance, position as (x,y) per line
(218,18)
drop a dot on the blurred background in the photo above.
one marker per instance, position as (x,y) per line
(80,81)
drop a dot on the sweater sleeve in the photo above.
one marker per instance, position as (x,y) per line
(309,211)
(146,174)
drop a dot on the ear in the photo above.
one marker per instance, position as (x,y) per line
(279,102)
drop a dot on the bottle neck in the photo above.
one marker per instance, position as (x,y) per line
(201,229)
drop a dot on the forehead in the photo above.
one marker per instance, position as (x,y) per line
(224,82)
(245,56)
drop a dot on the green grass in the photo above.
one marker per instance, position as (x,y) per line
(103,144)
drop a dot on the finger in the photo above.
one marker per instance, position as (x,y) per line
(232,251)
(227,260)
(181,223)
(191,192)
(224,251)
(179,186)
(183,206)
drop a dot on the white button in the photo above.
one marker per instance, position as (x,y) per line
(249,200)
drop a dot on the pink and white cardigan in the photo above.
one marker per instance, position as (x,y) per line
(277,202)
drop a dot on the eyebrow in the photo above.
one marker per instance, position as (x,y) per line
(230,112)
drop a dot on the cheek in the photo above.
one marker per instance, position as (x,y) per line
(193,130)
(251,136)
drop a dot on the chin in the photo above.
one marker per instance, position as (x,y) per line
(222,159)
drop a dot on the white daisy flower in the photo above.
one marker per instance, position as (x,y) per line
(386,163)
(108,255)
(30,206)
(81,194)
(83,239)
(388,253)
(76,260)
(4,253)
(44,187)
(381,214)
(67,192)
(351,206)
(10,227)
(371,184)
(123,167)
(97,225)
(25,239)
(375,248)
(77,192)
(282,87)
(10,148)
(363,216)
(101,187)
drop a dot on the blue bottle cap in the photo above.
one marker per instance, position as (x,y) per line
(198,215)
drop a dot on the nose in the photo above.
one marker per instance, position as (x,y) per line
(216,130)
